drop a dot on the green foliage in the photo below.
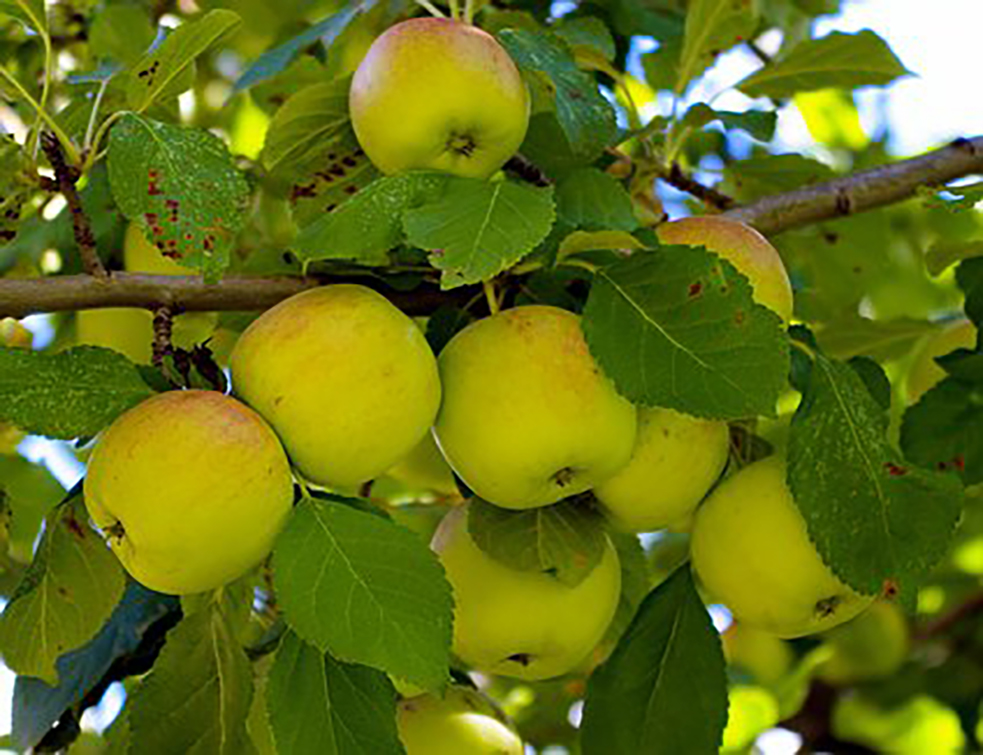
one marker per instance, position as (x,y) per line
(712,26)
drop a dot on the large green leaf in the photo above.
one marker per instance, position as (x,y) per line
(71,394)
(664,689)
(590,199)
(182,184)
(364,589)
(677,327)
(319,705)
(844,61)
(476,229)
(70,589)
(712,27)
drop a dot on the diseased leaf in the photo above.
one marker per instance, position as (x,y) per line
(712,27)
(874,518)
(71,394)
(844,61)
(590,199)
(566,540)
(198,695)
(677,327)
(70,589)
(182,185)
(161,72)
(319,705)
(365,590)
(476,229)
(664,689)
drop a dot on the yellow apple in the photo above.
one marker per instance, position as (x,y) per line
(191,487)
(424,468)
(764,656)
(745,249)
(925,372)
(751,550)
(524,624)
(528,417)
(872,646)
(347,381)
(677,459)
(462,722)
(130,331)
(438,94)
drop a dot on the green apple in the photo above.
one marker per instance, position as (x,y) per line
(130,331)
(347,381)
(528,417)
(925,372)
(751,550)
(524,624)
(677,459)
(191,487)
(424,468)
(920,725)
(462,722)
(767,658)
(872,646)
(438,94)
(745,249)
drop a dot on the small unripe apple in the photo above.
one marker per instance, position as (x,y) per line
(439,94)
(525,624)
(347,380)
(872,646)
(528,418)
(745,248)
(462,722)
(676,460)
(925,371)
(761,654)
(751,550)
(424,468)
(191,487)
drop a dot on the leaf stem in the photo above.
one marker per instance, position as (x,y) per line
(93,154)
(469,11)
(455,10)
(50,122)
(491,297)
(432,9)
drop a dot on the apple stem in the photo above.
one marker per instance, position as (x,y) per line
(491,296)
(455,10)
(432,9)
(469,11)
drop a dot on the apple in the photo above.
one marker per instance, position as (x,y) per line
(745,249)
(528,417)
(435,93)
(761,654)
(676,460)
(462,722)
(524,624)
(871,646)
(751,550)
(130,331)
(348,382)
(925,372)
(191,487)
(424,468)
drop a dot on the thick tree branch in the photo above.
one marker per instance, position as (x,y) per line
(862,191)
(22,297)
(675,176)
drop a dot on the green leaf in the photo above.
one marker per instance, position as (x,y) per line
(319,705)
(942,254)
(677,327)
(844,61)
(587,119)
(30,491)
(15,189)
(593,241)
(181,183)
(758,123)
(712,27)
(308,125)
(751,179)
(476,229)
(330,179)
(121,32)
(662,66)
(969,276)
(71,394)
(565,540)
(29,12)
(873,516)
(635,582)
(369,224)
(852,335)
(944,430)
(588,33)
(591,199)
(365,590)
(197,697)
(664,689)
(70,589)
(161,72)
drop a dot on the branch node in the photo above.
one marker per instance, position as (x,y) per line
(163,329)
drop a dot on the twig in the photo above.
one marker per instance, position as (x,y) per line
(20,297)
(965,610)
(675,176)
(66,178)
(163,328)
(525,170)
(863,191)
